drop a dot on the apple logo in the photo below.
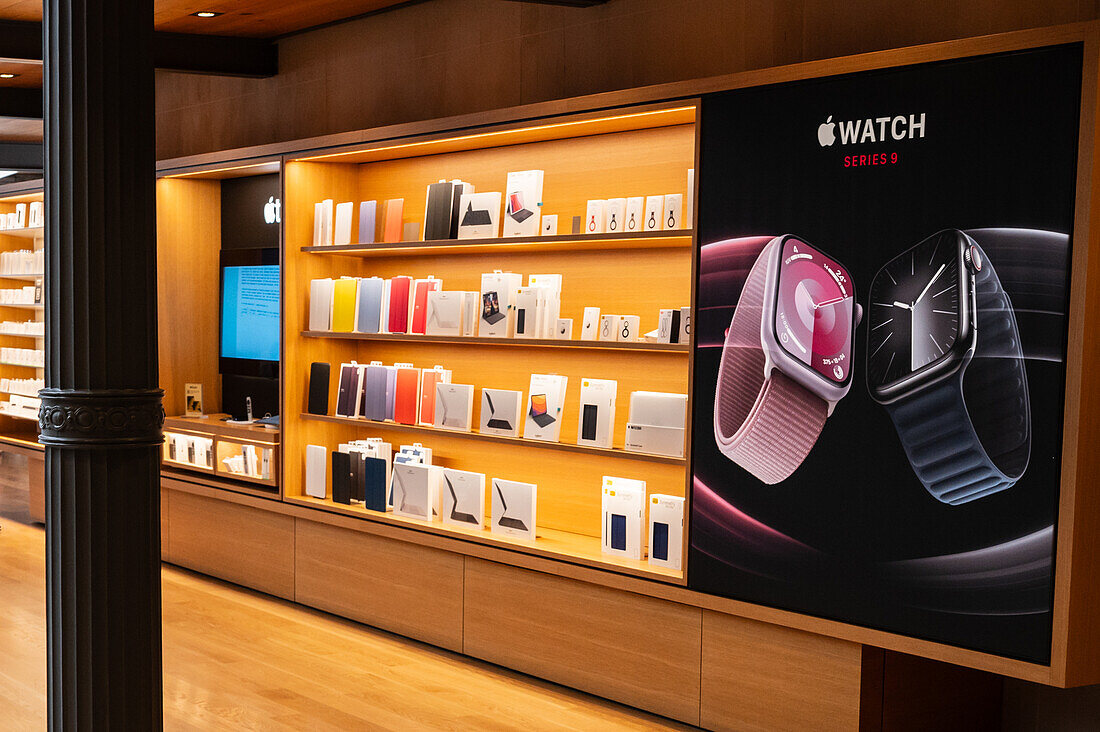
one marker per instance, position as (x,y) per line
(826,134)
(272,211)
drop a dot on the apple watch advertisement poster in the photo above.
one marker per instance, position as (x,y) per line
(880,339)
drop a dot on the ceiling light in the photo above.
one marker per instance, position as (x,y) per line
(8,75)
(206,14)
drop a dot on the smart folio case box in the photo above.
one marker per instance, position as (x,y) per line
(497,302)
(623,516)
(342,232)
(415,490)
(635,215)
(616,211)
(375,470)
(428,381)
(316,467)
(318,388)
(437,210)
(369,317)
(654,213)
(368,211)
(421,288)
(666,531)
(454,405)
(320,304)
(344,291)
(341,477)
(514,507)
(347,394)
(546,397)
(406,400)
(392,220)
(446,311)
(479,216)
(400,292)
(374,392)
(597,412)
(391,391)
(462,495)
(527,312)
(501,411)
(522,201)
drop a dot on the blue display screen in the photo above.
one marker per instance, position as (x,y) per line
(250,312)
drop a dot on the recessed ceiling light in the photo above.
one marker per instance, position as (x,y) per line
(8,75)
(206,14)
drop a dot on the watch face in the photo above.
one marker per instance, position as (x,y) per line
(917,309)
(814,310)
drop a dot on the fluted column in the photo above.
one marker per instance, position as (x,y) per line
(101,414)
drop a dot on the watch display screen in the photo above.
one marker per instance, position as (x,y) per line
(814,310)
(914,309)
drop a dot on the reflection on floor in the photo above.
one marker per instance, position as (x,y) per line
(236,659)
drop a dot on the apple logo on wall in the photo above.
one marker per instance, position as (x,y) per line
(826,132)
(272,212)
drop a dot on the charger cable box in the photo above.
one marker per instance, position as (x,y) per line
(500,412)
(462,495)
(623,503)
(522,203)
(513,508)
(544,407)
(597,412)
(498,291)
(454,404)
(415,490)
(479,216)
(666,531)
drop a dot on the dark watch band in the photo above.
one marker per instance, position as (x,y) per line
(969,436)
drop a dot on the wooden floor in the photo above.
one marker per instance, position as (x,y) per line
(235,659)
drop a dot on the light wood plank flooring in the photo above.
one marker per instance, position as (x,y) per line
(235,659)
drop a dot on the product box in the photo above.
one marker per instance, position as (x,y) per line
(596,426)
(685,324)
(595,217)
(344,295)
(368,212)
(342,230)
(629,326)
(322,223)
(368,317)
(621,531)
(616,212)
(549,301)
(415,490)
(375,385)
(668,326)
(498,291)
(527,312)
(393,213)
(349,389)
(446,311)
(654,213)
(674,208)
(545,401)
(635,215)
(462,495)
(438,209)
(400,297)
(549,225)
(563,329)
(454,405)
(609,328)
(428,381)
(419,302)
(479,216)
(320,304)
(666,531)
(522,203)
(590,326)
(500,412)
(513,508)
(656,424)
(406,398)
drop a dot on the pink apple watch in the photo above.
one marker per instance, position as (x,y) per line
(787,357)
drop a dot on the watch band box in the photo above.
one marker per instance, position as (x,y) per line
(629,326)
(428,381)
(545,401)
(320,304)
(393,212)
(616,212)
(527,312)
(406,400)
(523,203)
(318,388)
(454,405)
(590,325)
(342,231)
(501,412)
(341,477)
(415,490)
(609,328)
(654,439)
(479,216)
(437,210)
(549,225)
(666,531)
(421,288)
(654,213)
(445,313)
(674,208)
(635,215)
(622,527)
(514,508)
(368,212)
(563,329)
(596,418)
(595,216)
(462,498)
(344,292)
(498,290)
(316,471)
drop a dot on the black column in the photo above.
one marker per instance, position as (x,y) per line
(101,414)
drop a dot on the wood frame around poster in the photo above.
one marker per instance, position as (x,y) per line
(1075,643)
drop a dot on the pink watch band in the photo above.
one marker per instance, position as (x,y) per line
(767,426)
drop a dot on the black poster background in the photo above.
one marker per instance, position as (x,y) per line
(999,150)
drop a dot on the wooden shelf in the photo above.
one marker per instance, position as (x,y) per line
(584,242)
(25,277)
(19,335)
(228,474)
(24,306)
(27,232)
(187,466)
(511,342)
(563,446)
(21,365)
(551,543)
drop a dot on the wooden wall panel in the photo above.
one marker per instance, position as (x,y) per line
(237,543)
(407,589)
(633,649)
(757,676)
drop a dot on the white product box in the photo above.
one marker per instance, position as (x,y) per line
(674,209)
(462,498)
(656,423)
(590,326)
(415,491)
(498,292)
(549,301)
(454,405)
(629,326)
(623,503)
(616,213)
(322,223)
(527,312)
(342,230)
(689,208)
(20,215)
(666,531)
(685,324)
(635,215)
(545,401)
(501,412)
(654,213)
(316,471)
(550,225)
(479,216)
(446,313)
(609,328)
(596,416)
(668,325)
(514,507)
(320,304)
(522,203)
(595,217)
(563,329)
